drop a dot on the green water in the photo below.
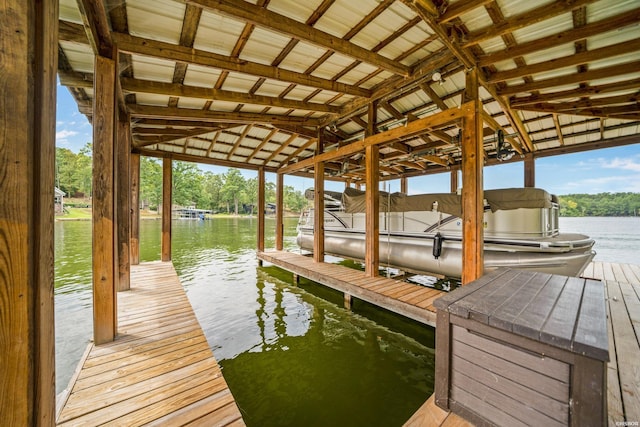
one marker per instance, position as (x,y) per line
(291,355)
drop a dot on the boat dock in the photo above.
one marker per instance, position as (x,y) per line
(622,284)
(160,370)
(410,300)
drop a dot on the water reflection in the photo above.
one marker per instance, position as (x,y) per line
(291,354)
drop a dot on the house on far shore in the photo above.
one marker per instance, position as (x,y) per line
(59,201)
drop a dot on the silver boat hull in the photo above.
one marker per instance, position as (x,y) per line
(415,253)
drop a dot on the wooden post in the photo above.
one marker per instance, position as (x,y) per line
(167,181)
(29,57)
(372,210)
(472,189)
(454,180)
(261,207)
(529,170)
(135,208)
(123,154)
(279,212)
(348,301)
(404,185)
(105,256)
(318,213)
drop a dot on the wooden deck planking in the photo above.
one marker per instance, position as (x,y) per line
(394,295)
(623,310)
(160,370)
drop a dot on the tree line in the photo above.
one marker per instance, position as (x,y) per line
(228,192)
(601,204)
(233,193)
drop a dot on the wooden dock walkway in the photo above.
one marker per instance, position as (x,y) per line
(159,371)
(622,284)
(410,300)
(623,320)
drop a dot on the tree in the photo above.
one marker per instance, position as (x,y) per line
(150,182)
(187,185)
(232,188)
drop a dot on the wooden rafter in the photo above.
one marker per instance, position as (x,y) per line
(290,27)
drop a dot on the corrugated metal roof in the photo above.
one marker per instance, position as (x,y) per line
(283,82)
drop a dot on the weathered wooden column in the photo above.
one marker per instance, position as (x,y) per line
(135,208)
(472,188)
(279,211)
(29,57)
(167,180)
(529,170)
(318,202)
(123,155)
(105,255)
(318,212)
(372,231)
(261,207)
(454,180)
(404,185)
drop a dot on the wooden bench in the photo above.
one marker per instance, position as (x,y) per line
(518,347)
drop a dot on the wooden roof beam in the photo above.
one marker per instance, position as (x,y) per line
(215,117)
(171,52)
(615,22)
(627,85)
(625,112)
(522,20)
(239,140)
(85,80)
(575,78)
(566,61)
(411,129)
(469,62)
(96,27)
(460,8)
(256,15)
(281,147)
(494,125)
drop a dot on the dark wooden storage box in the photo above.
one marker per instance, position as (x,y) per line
(522,348)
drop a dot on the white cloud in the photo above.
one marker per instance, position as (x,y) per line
(629,164)
(64,134)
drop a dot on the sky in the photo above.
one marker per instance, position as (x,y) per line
(610,170)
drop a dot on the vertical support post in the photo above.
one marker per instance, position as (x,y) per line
(472,189)
(318,202)
(529,170)
(261,207)
(348,302)
(135,209)
(454,180)
(167,180)
(105,255)
(318,213)
(279,212)
(372,209)
(404,185)
(29,57)
(123,153)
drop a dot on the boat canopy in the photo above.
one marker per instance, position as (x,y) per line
(354,201)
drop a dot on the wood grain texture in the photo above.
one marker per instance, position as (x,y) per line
(28,54)
(123,203)
(159,375)
(355,283)
(135,208)
(167,188)
(104,213)
(318,212)
(472,190)
(279,211)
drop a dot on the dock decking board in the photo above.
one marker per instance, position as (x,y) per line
(394,295)
(160,370)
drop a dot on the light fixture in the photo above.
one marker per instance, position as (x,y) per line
(436,76)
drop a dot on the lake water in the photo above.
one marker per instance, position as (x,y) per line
(292,355)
